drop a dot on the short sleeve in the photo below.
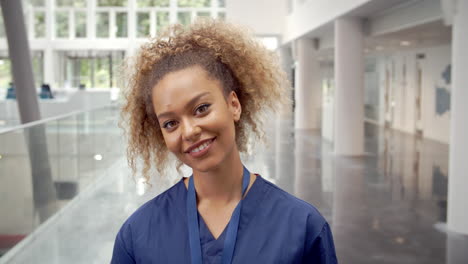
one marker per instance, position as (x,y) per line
(321,249)
(123,252)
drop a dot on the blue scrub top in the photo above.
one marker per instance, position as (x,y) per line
(275,227)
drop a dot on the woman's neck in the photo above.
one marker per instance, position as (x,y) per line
(221,185)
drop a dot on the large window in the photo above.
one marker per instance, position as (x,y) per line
(91,69)
(6,74)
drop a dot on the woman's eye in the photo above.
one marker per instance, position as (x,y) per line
(202,109)
(169,124)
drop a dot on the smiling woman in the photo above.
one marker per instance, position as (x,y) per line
(198,93)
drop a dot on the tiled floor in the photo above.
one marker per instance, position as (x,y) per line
(387,206)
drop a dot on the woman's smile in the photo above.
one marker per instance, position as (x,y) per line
(200,148)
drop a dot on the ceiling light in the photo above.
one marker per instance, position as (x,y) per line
(405,43)
(98,157)
(1,62)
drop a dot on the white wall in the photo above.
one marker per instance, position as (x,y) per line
(403,90)
(265,17)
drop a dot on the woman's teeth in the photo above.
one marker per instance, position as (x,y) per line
(202,147)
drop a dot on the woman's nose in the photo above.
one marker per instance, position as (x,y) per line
(191,131)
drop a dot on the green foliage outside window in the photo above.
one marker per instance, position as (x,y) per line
(5,73)
(194,3)
(143,24)
(71,3)
(162,20)
(121,23)
(184,18)
(39,24)
(37,3)
(153,3)
(112,2)
(102,25)
(61,24)
(204,14)
(80,24)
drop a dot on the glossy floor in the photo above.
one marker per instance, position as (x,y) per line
(387,206)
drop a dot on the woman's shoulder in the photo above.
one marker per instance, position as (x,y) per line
(290,204)
(161,205)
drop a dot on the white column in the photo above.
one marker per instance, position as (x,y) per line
(308,93)
(349,91)
(457,211)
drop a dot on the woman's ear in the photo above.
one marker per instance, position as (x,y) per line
(235,106)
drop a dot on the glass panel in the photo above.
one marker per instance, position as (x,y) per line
(112,2)
(194,3)
(184,18)
(71,3)
(61,24)
(37,3)
(143,24)
(65,158)
(153,3)
(121,25)
(80,24)
(39,24)
(102,22)
(221,3)
(162,21)
(5,73)
(203,14)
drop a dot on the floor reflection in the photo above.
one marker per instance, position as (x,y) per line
(383,206)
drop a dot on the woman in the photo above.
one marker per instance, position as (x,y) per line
(197,93)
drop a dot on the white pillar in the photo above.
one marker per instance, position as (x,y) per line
(457,211)
(349,91)
(308,93)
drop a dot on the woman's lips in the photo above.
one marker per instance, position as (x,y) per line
(202,149)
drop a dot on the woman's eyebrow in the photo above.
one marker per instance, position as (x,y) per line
(190,103)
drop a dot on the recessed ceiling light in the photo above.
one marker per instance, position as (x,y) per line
(98,157)
(405,43)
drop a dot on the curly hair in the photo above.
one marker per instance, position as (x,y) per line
(228,54)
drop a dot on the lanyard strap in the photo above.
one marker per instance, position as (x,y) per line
(194,232)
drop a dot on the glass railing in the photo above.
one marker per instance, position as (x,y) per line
(45,166)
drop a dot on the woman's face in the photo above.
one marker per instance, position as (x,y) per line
(196,119)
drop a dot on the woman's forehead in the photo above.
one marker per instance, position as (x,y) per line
(180,87)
